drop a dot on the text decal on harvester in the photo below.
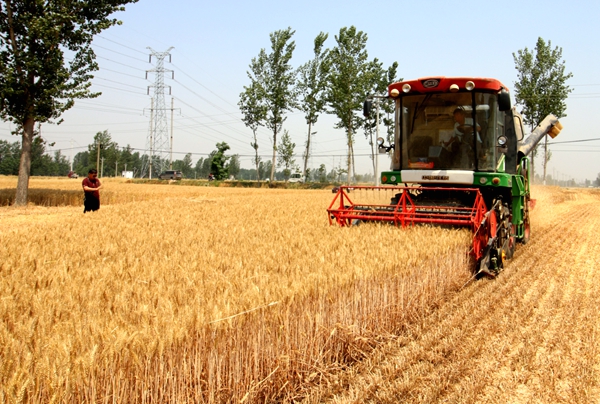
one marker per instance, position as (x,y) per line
(436,177)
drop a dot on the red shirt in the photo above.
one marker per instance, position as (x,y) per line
(91,183)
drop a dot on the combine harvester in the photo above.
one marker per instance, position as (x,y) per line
(459,158)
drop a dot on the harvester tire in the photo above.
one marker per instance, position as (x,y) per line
(526,231)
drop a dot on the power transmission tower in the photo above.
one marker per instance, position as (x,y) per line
(156,158)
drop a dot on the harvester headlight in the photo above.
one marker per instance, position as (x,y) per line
(482,180)
(380,141)
(394,92)
(406,88)
(454,88)
(393,178)
(470,85)
(502,141)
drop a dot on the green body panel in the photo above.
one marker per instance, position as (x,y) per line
(481,179)
(520,198)
(518,185)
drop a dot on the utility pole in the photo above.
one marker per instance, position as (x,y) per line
(116,165)
(102,168)
(377,151)
(98,148)
(71,156)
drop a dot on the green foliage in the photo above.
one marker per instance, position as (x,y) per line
(114,157)
(541,85)
(286,155)
(322,173)
(351,79)
(264,169)
(234,165)
(9,157)
(272,81)
(381,78)
(254,115)
(348,86)
(36,83)
(41,162)
(541,82)
(185,166)
(311,86)
(203,166)
(219,166)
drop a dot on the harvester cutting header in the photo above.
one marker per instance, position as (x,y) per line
(459,158)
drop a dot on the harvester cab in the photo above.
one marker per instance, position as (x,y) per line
(459,157)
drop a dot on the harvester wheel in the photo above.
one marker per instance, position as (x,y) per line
(526,224)
(509,244)
(526,231)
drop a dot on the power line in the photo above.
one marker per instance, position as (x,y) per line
(116,88)
(574,141)
(125,46)
(117,82)
(118,53)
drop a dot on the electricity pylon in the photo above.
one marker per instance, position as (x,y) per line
(156,157)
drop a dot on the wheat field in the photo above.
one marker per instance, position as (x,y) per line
(174,293)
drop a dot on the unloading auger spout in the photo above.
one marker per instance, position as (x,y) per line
(549,126)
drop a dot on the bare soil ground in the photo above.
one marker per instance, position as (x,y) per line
(531,335)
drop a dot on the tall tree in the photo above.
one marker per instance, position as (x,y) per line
(36,83)
(9,157)
(254,114)
(380,79)
(185,166)
(218,163)
(272,81)
(350,80)
(312,82)
(541,86)
(109,153)
(234,165)
(286,155)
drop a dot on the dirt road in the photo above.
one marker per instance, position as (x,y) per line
(530,336)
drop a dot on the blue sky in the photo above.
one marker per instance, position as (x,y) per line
(215,41)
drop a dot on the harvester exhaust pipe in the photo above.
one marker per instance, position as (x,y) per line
(550,125)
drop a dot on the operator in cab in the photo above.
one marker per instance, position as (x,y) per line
(461,142)
(463,125)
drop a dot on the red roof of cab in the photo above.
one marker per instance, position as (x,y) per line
(419,85)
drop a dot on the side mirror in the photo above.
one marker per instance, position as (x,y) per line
(367,106)
(504,100)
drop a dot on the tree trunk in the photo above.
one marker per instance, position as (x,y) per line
(372,152)
(306,154)
(353,165)
(274,155)
(533,153)
(349,155)
(255,145)
(25,163)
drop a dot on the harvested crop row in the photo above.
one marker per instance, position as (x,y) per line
(528,336)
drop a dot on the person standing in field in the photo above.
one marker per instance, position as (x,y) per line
(91,188)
